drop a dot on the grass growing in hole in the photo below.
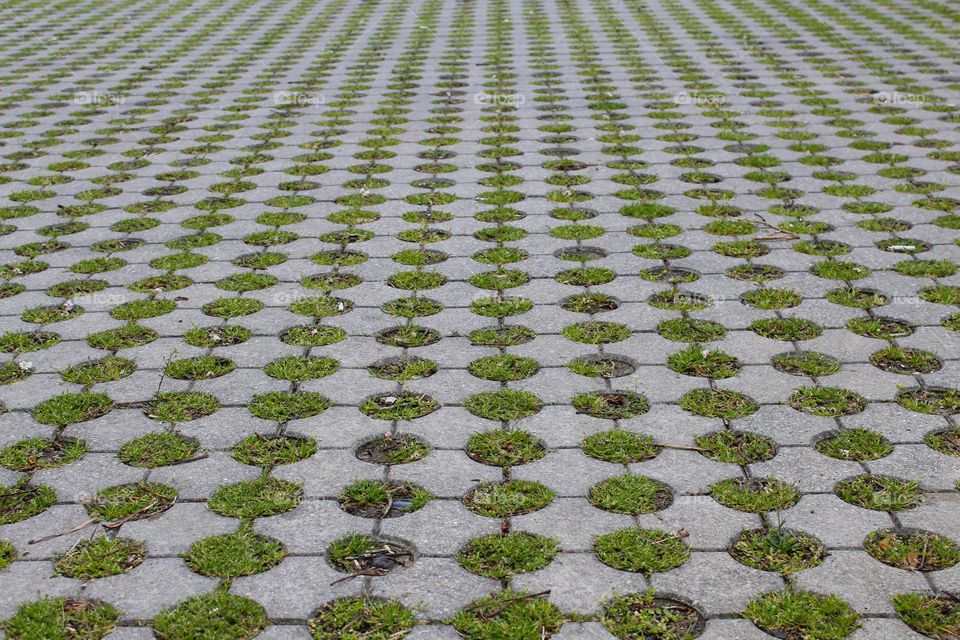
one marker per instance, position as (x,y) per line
(855,444)
(504,448)
(61,619)
(217,614)
(905,360)
(930,400)
(220,336)
(777,549)
(678,300)
(504,336)
(353,551)
(105,369)
(508,615)
(361,618)
(408,336)
(501,307)
(269,451)
(71,408)
(505,404)
(718,403)
(266,496)
(912,550)
(827,401)
(504,367)
(643,616)
(596,332)
(620,446)
(312,335)
(100,557)
(181,406)
(737,447)
(613,405)
(142,309)
(52,313)
(403,368)
(232,307)
(405,405)
(691,330)
(127,336)
(789,329)
(300,368)
(199,368)
(375,498)
(630,494)
(27,341)
(881,328)
(31,454)
(803,614)
(502,556)
(880,493)
(133,501)
(933,616)
(283,406)
(390,449)
(755,495)
(838,270)
(772,298)
(241,553)
(506,499)
(412,307)
(641,550)
(158,449)
(590,303)
(697,361)
(23,500)
(805,363)
(857,298)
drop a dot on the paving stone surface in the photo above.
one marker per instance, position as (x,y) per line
(516,319)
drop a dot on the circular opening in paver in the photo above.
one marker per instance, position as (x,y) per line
(912,549)
(379,499)
(361,554)
(602,365)
(632,616)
